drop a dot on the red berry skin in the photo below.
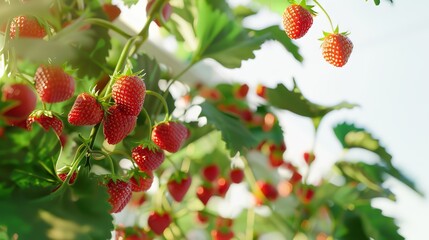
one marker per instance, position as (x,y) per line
(117,125)
(220,235)
(261,91)
(296,177)
(242,91)
(170,136)
(202,217)
(86,110)
(26,27)
(269,191)
(46,122)
(63,177)
(25,101)
(222,186)
(53,84)
(147,159)
(236,175)
(179,188)
(276,158)
(158,222)
(336,49)
(129,93)
(296,21)
(211,172)
(141,183)
(309,157)
(167,10)
(204,193)
(112,11)
(119,194)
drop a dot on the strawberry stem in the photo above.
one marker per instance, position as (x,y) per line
(326,14)
(108,25)
(162,99)
(148,120)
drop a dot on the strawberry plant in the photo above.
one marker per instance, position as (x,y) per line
(96,135)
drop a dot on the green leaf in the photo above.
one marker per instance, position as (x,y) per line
(241,12)
(349,227)
(293,100)
(130,3)
(222,39)
(351,136)
(80,211)
(236,136)
(277,34)
(376,225)
(276,6)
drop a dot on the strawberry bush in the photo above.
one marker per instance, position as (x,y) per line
(98,141)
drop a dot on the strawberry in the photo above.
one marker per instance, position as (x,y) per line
(63,177)
(236,175)
(170,136)
(165,14)
(27,27)
(158,222)
(218,234)
(46,120)
(296,177)
(178,185)
(261,91)
(202,217)
(306,195)
(210,172)
(119,194)
(24,99)
(86,110)
(148,158)
(336,48)
(268,191)
(117,125)
(141,181)
(204,193)
(112,11)
(222,222)
(129,93)
(309,157)
(222,186)
(297,20)
(276,158)
(242,91)
(53,84)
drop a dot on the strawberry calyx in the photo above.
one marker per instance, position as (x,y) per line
(304,4)
(149,144)
(336,31)
(178,176)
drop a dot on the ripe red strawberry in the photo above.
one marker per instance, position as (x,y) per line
(261,91)
(47,120)
(24,98)
(120,194)
(204,193)
(268,190)
(276,158)
(309,157)
(210,172)
(306,195)
(297,20)
(117,125)
(112,11)
(236,175)
(158,222)
(165,14)
(53,84)
(222,186)
(296,177)
(170,136)
(336,48)
(178,185)
(148,158)
(28,27)
(218,234)
(141,181)
(63,177)
(242,91)
(202,217)
(129,93)
(86,110)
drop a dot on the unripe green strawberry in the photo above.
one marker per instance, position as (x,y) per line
(86,110)
(53,84)
(46,120)
(28,27)
(170,136)
(296,21)
(147,157)
(119,194)
(129,94)
(25,99)
(336,49)
(117,125)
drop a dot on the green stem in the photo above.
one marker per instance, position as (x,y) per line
(172,163)
(148,120)
(250,223)
(108,25)
(162,99)
(326,13)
